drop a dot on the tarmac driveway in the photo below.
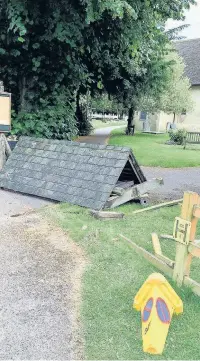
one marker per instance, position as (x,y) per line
(176,181)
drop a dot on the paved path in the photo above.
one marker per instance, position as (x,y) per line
(12,203)
(176,181)
(100,136)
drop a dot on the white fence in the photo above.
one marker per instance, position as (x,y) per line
(103,116)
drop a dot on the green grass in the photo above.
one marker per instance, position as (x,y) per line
(151,150)
(97,123)
(112,329)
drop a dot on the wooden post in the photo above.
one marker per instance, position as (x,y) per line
(5,150)
(183,258)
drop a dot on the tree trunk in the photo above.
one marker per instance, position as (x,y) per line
(83,123)
(130,126)
(121,115)
(22,89)
(174,118)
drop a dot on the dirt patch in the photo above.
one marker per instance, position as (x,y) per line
(41,271)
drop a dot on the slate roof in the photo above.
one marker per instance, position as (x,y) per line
(78,173)
(189,50)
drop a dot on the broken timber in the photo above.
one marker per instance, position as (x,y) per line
(186,245)
(160,264)
(106,215)
(157,206)
(122,195)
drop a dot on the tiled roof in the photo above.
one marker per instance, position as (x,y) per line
(78,173)
(189,50)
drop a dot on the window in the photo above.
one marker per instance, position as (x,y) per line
(143,116)
(147,310)
(162,311)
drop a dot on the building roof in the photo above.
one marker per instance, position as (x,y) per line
(189,50)
(78,173)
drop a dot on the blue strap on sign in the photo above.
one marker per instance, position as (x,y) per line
(162,311)
(147,310)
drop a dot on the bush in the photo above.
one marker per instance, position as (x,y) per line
(52,121)
(177,136)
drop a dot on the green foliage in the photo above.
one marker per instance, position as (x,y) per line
(177,136)
(55,121)
(111,45)
(102,103)
(175,96)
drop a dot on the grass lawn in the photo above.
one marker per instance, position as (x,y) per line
(112,329)
(151,150)
(97,123)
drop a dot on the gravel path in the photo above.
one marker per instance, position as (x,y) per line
(40,281)
(176,181)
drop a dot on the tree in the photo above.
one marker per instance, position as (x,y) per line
(103,103)
(176,96)
(52,52)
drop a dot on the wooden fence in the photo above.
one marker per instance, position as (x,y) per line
(184,233)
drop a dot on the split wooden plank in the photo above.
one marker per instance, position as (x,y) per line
(157,206)
(154,260)
(167,236)
(119,200)
(119,191)
(106,215)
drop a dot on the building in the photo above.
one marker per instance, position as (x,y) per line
(189,50)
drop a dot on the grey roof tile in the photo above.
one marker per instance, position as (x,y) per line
(82,174)
(189,50)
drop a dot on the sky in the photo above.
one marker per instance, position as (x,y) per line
(192,18)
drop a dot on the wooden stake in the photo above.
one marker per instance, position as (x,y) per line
(157,206)
(158,251)
(156,244)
